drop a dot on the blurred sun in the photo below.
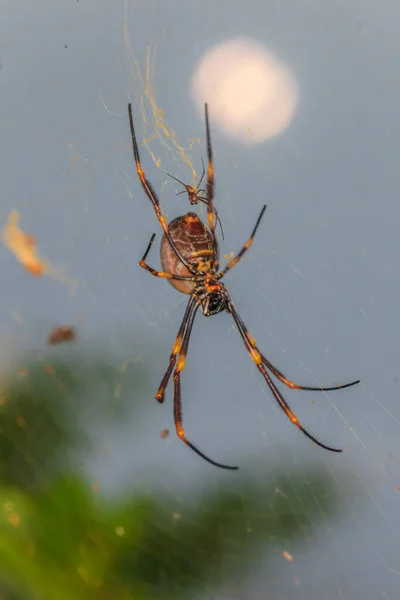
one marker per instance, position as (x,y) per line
(251,95)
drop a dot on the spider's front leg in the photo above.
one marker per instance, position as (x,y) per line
(232,263)
(210,175)
(151,194)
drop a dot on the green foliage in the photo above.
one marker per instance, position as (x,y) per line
(62,539)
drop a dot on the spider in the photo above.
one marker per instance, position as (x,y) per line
(190,259)
(195,195)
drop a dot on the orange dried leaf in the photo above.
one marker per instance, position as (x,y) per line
(24,247)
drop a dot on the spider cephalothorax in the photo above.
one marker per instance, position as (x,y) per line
(190,259)
(212,296)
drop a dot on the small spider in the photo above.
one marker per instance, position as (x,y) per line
(190,259)
(195,195)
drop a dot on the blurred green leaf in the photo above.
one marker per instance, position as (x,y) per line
(43,406)
(61,539)
(68,542)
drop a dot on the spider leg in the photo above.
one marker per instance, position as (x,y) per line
(179,181)
(195,191)
(177,392)
(296,386)
(258,360)
(210,175)
(246,246)
(216,216)
(201,178)
(162,274)
(291,384)
(151,193)
(202,175)
(186,321)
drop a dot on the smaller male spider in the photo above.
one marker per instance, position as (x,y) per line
(195,196)
(190,259)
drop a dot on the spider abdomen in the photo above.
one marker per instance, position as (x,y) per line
(196,244)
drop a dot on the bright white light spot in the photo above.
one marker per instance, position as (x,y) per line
(251,95)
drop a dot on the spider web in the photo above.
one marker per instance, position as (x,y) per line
(83,448)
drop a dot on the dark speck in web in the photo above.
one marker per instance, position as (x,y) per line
(58,335)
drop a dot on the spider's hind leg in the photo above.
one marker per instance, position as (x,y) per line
(259,360)
(187,321)
(177,396)
(296,386)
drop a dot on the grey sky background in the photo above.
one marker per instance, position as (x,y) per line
(320,289)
